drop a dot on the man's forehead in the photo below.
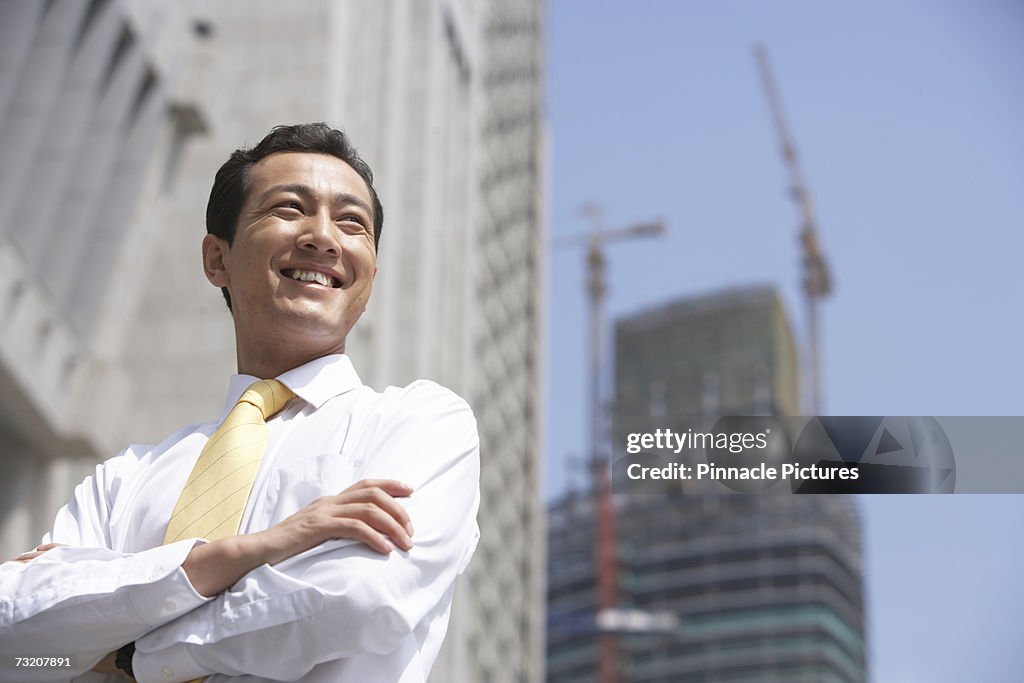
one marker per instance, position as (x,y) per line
(316,170)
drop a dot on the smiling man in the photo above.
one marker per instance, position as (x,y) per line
(315,530)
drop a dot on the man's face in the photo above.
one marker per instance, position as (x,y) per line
(301,266)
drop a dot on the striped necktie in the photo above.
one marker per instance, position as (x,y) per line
(215,495)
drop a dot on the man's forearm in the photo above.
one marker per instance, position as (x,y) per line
(214,567)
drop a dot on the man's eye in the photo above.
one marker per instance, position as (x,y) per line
(290,205)
(352,218)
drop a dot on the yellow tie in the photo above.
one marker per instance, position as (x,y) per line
(215,495)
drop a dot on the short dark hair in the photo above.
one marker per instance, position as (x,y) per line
(231,185)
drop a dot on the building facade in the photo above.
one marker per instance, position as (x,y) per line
(712,587)
(115,115)
(729,352)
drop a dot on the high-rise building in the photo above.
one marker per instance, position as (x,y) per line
(726,353)
(712,587)
(115,115)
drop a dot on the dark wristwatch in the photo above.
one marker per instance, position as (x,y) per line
(123,659)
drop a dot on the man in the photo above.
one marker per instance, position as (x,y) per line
(339,563)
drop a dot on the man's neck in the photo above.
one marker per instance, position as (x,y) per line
(269,367)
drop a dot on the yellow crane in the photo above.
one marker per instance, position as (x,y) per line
(817,283)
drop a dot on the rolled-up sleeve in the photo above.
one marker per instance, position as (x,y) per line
(342,598)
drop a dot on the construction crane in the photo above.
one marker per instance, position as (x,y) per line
(605,555)
(817,282)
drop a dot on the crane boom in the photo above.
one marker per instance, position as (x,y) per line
(817,283)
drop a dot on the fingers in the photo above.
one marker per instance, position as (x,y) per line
(107,665)
(382,492)
(376,525)
(25,557)
(50,546)
(368,512)
(32,554)
(389,486)
(363,532)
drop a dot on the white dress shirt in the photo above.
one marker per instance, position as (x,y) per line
(339,613)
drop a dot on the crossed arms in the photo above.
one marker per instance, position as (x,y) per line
(344,573)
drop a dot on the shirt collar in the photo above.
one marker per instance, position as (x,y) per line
(315,382)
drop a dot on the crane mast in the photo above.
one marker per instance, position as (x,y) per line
(605,556)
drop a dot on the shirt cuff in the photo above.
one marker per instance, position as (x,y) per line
(261,599)
(71,573)
(172,594)
(170,665)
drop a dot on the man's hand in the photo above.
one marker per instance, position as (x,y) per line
(32,554)
(366,511)
(107,666)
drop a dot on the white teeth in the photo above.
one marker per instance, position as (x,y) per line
(312,276)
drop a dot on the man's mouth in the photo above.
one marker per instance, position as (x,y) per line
(311,276)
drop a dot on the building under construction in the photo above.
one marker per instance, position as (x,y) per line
(724,587)
(730,352)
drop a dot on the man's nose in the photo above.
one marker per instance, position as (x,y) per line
(319,234)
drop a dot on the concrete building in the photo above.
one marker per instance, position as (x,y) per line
(114,116)
(712,587)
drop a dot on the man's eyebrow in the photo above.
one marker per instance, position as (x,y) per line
(349,198)
(304,191)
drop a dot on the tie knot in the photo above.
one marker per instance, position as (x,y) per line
(268,395)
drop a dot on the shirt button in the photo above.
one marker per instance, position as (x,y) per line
(169,606)
(168,672)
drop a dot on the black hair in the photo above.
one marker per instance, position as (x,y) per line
(231,184)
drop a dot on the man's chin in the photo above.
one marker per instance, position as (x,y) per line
(303,325)
(309,326)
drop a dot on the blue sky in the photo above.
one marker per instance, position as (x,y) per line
(907,120)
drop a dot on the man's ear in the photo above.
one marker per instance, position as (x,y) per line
(367,302)
(214,251)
